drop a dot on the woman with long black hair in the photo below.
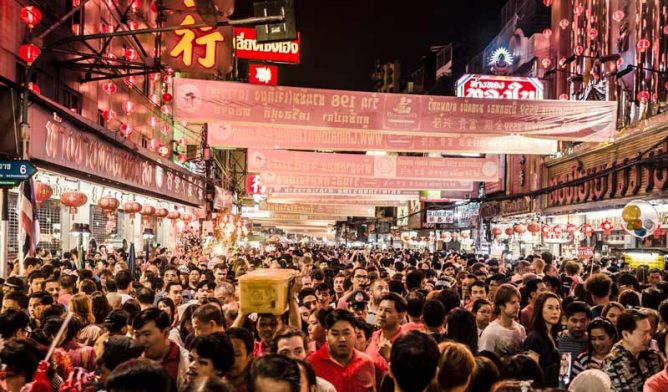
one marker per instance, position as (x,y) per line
(541,342)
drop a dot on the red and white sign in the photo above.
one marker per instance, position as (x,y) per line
(499,87)
(254,185)
(247,47)
(266,75)
(367,166)
(585,252)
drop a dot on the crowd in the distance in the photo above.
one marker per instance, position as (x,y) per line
(356,320)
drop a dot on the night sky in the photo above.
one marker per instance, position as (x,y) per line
(342,38)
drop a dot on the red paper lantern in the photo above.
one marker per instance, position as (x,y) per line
(496,231)
(129,107)
(607,227)
(130,54)
(131,208)
(578,10)
(643,96)
(167,78)
(29,53)
(173,215)
(545,229)
(73,199)
(620,62)
(165,129)
(618,16)
(126,129)
(154,7)
(130,80)
(588,229)
(563,97)
(520,229)
(153,121)
(547,2)
(547,33)
(546,63)
(643,44)
(34,88)
(161,213)
(135,4)
(108,204)
(167,97)
(533,227)
(109,115)
(557,230)
(147,211)
(564,23)
(509,231)
(43,192)
(571,228)
(578,50)
(109,87)
(665,30)
(30,15)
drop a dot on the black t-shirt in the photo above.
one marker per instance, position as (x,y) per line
(549,356)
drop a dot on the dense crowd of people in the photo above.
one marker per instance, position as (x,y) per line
(355,320)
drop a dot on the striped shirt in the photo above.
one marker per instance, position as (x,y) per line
(568,344)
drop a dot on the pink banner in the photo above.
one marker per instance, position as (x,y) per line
(264,136)
(319,210)
(280,181)
(238,103)
(367,166)
(355,201)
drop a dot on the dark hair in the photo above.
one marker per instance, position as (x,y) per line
(244,336)
(310,373)
(462,328)
(218,348)
(365,327)
(131,306)
(663,310)
(505,294)
(449,298)
(168,288)
(629,299)
(145,295)
(118,349)
(170,304)
(275,367)
(538,321)
(287,334)
(414,360)
(415,303)
(599,285)
(628,319)
(11,322)
(116,320)
(123,279)
(17,296)
(44,297)
(151,314)
(651,298)
(35,275)
(626,279)
(531,286)
(207,313)
(22,356)
(414,280)
(433,313)
(101,307)
(88,286)
(339,315)
(395,286)
(486,373)
(139,375)
(608,327)
(479,303)
(522,367)
(207,384)
(577,307)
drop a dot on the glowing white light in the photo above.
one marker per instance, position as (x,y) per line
(500,53)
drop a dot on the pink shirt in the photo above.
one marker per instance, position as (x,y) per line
(658,382)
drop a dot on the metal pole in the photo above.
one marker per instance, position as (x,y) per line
(4,233)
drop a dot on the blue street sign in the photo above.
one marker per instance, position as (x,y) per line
(16,171)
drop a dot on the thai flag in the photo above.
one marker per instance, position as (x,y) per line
(28,219)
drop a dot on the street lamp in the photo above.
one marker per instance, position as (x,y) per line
(148,236)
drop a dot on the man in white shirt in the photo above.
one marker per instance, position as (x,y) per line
(504,336)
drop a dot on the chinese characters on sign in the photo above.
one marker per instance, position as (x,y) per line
(266,75)
(203,50)
(440,216)
(254,185)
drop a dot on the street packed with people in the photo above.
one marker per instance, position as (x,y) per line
(352,320)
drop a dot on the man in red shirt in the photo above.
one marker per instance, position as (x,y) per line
(338,362)
(391,312)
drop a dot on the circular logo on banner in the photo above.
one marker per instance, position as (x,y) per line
(489,169)
(385,166)
(258,160)
(223,131)
(189,98)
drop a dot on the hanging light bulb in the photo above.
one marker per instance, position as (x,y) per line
(129,107)
(130,54)
(31,16)
(29,53)
(126,129)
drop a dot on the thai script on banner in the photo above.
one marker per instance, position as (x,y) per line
(499,87)
(385,167)
(349,182)
(237,103)
(319,210)
(266,136)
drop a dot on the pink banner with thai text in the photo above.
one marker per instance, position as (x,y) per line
(367,166)
(238,103)
(282,180)
(266,136)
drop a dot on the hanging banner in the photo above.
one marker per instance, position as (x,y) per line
(353,200)
(247,47)
(367,166)
(265,136)
(319,210)
(238,103)
(348,182)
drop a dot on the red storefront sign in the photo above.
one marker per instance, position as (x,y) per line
(247,47)
(499,87)
(266,75)
(203,50)
(254,185)
(585,252)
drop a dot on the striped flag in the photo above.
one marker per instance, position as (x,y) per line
(28,222)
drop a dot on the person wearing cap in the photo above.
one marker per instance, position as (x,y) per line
(358,302)
(13,283)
